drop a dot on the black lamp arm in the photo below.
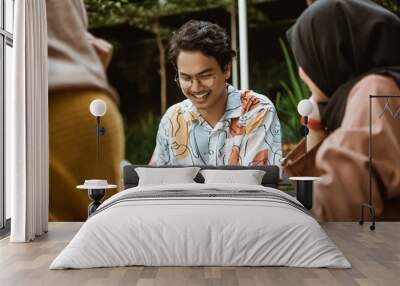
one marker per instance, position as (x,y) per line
(100,131)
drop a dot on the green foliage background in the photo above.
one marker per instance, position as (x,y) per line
(140,138)
(286,101)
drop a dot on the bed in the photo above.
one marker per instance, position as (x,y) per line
(201,224)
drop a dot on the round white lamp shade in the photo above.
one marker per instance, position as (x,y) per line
(305,107)
(98,107)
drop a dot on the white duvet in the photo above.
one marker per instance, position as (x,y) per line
(188,231)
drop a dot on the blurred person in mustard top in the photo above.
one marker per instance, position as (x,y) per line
(216,124)
(346,51)
(77,63)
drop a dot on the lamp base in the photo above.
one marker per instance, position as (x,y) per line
(304,193)
(95,195)
(305,190)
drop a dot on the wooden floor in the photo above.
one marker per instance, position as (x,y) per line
(375,256)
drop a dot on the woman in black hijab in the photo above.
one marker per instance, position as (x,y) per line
(346,51)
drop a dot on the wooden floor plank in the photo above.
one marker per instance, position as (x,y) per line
(374,255)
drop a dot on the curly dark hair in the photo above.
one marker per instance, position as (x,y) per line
(206,37)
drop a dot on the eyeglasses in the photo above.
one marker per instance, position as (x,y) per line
(186,82)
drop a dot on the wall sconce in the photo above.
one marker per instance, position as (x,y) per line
(305,108)
(98,108)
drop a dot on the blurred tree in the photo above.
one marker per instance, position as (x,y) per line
(286,102)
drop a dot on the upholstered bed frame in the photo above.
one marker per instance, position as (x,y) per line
(270,179)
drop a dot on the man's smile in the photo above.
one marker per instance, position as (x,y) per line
(200,96)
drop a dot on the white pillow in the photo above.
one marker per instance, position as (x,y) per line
(249,177)
(166,176)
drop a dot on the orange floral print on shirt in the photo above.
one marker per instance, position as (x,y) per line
(261,158)
(256,121)
(248,101)
(234,159)
(180,135)
(235,128)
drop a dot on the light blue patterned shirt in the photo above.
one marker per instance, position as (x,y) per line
(248,134)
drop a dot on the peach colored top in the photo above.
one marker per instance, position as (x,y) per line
(341,159)
(73,62)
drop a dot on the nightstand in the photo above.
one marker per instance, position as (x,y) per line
(304,190)
(96,190)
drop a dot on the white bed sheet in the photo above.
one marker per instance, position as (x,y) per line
(200,232)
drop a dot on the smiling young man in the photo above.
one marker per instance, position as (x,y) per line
(217,124)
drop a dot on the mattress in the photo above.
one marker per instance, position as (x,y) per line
(201,225)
